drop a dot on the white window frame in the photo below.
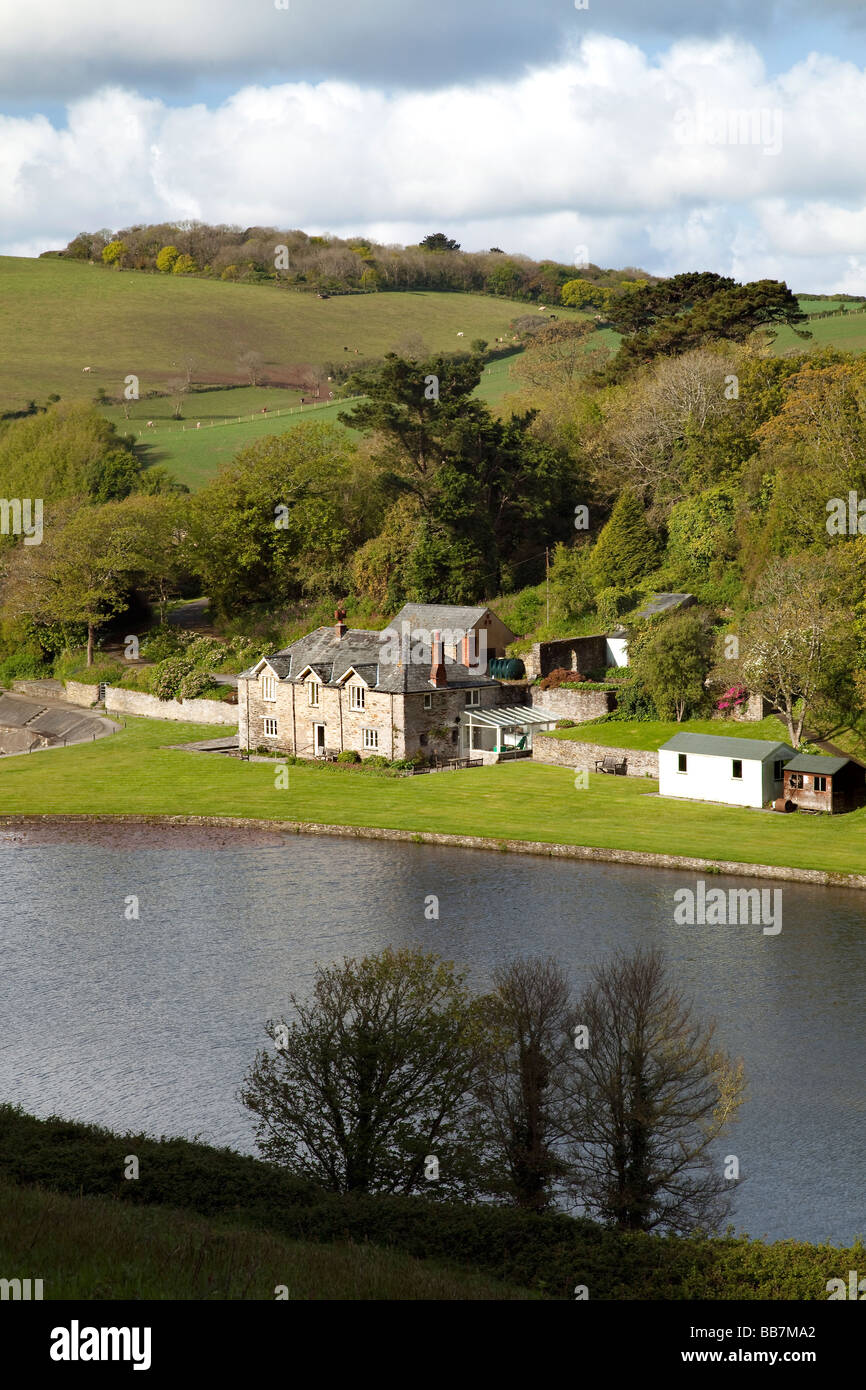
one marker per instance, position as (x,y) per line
(428,701)
(269,688)
(357,697)
(313,694)
(371,739)
(272,732)
(473,697)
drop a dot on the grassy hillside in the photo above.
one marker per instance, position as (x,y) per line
(232,419)
(847,331)
(57,317)
(186,1191)
(134,773)
(98,1248)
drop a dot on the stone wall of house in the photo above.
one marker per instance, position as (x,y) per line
(403,724)
(190,711)
(79,693)
(578,705)
(563,752)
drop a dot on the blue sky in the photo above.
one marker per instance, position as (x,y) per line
(668,135)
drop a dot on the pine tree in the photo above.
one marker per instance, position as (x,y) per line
(626,550)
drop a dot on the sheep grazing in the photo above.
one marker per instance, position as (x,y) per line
(198,424)
(150,424)
(461,335)
(86,369)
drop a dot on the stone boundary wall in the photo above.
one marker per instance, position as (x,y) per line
(578,705)
(39,690)
(566,752)
(79,693)
(639,858)
(189,711)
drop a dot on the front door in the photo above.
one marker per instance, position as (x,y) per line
(319,739)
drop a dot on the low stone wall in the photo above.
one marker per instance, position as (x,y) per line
(578,705)
(39,690)
(189,711)
(566,752)
(78,693)
(68,827)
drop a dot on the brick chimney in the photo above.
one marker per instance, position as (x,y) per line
(438,674)
(466,652)
(340,626)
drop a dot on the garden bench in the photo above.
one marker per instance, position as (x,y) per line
(611,764)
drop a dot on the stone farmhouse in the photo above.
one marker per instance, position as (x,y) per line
(418,687)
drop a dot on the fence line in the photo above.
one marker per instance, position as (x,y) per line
(286,410)
(257,415)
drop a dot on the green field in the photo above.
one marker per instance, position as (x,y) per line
(57,317)
(847,332)
(232,419)
(134,773)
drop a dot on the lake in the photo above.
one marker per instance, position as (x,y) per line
(151,1024)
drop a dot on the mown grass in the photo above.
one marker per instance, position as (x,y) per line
(133,772)
(99,1249)
(649,735)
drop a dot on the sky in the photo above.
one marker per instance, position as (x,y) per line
(665,134)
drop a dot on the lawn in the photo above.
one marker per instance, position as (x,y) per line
(649,735)
(132,773)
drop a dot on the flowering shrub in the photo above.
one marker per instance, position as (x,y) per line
(733,698)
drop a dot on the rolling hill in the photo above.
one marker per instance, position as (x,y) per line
(58,317)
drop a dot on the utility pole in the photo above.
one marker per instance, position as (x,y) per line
(547,579)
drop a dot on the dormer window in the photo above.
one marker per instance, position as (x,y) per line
(313,693)
(356,696)
(269,688)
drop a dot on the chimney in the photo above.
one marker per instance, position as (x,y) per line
(466,654)
(340,626)
(438,674)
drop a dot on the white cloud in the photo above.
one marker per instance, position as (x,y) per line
(693,159)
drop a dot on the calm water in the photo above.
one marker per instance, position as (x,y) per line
(151,1024)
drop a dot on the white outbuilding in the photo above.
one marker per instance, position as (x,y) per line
(735,771)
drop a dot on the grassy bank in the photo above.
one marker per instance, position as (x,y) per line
(98,1248)
(132,772)
(207,1202)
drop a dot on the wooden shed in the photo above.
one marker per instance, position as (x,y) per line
(816,783)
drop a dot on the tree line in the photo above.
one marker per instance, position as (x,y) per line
(330,264)
(394,1077)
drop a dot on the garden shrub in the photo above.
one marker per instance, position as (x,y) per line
(566,724)
(348,755)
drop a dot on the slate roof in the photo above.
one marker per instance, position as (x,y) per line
(748,749)
(814,762)
(331,656)
(431,616)
(665,603)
